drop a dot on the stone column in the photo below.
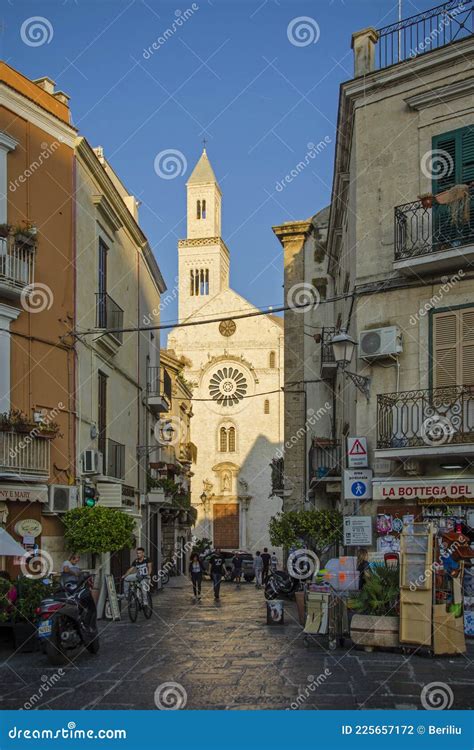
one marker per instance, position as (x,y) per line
(292,236)
(363,44)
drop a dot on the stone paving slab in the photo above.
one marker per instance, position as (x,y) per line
(225,657)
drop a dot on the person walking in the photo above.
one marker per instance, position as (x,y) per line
(266,565)
(258,568)
(237,568)
(362,567)
(216,563)
(196,571)
(273,562)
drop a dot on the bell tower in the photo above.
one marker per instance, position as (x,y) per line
(203,255)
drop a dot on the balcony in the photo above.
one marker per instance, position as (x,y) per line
(426,423)
(115,466)
(433,238)
(424,32)
(159,390)
(109,318)
(24,455)
(328,363)
(16,265)
(325,459)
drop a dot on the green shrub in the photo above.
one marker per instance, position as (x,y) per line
(98,530)
(380,594)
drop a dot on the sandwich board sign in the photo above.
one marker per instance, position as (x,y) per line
(357,452)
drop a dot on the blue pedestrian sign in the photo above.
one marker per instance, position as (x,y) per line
(358,484)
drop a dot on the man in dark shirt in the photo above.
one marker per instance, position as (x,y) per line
(266,565)
(216,563)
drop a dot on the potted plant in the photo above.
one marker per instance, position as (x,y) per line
(25,232)
(376,606)
(15,421)
(426,199)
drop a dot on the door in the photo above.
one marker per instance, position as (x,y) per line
(226,525)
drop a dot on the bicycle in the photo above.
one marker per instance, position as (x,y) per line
(139,598)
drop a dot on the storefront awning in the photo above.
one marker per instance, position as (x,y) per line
(27,493)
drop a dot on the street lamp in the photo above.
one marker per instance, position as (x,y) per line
(343,347)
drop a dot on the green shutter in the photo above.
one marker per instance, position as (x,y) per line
(458,163)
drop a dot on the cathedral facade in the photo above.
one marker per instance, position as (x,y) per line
(235,366)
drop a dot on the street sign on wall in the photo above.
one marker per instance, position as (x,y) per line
(358,531)
(358,484)
(357,452)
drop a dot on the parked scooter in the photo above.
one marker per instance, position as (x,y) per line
(281,584)
(68,621)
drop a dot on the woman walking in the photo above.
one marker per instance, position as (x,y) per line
(195,571)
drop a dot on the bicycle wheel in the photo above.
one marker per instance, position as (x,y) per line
(165,577)
(132,606)
(147,605)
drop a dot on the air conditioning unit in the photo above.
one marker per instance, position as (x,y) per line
(380,342)
(92,462)
(62,498)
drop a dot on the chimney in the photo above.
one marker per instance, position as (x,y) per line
(62,97)
(45,83)
(363,44)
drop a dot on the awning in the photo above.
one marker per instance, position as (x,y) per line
(23,492)
(8,546)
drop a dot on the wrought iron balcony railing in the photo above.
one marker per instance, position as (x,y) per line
(424,32)
(325,458)
(109,315)
(421,229)
(159,383)
(431,418)
(16,263)
(115,459)
(327,353)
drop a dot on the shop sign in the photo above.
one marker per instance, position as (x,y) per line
(358,531)
(357,484)
(10,492)
(357,452)
(28,527)
(443,490)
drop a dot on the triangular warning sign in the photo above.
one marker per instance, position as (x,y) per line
(357,449)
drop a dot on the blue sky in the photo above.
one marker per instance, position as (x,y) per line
(228,73)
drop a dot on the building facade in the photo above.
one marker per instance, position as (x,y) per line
(397,266)
(37,308)
(235,366)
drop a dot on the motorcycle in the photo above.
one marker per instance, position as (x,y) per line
(67,621)
(281,584)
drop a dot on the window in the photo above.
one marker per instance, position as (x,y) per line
(199,282)
(198,210)
(452,356)
(227,441)
(455,151)
(203,210)
(102,413)
(102,286)
(266,406)
(272,360)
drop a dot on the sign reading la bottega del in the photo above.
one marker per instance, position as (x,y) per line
(427,491)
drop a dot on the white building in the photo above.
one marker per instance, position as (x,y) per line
(235,365)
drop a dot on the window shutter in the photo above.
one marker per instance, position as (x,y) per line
(467,347)
(445,349)
(467,155)
(448,162)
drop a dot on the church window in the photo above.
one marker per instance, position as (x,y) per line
(228,386)
(198,210)
(272,360)
(203,213)
(266,406)
(199,282)
(227,439)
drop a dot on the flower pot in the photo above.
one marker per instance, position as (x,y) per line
(24,637)
(426,200)
(375,630)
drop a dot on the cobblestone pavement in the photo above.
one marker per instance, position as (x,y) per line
(226,657)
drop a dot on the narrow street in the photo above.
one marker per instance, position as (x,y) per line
(225,657)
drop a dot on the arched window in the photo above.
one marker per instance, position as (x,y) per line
(199,282)
(203,213)
(272,360)
(266,406)
(223,440)
(198,210)
(227,439)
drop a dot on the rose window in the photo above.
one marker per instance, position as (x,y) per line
(228,386)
